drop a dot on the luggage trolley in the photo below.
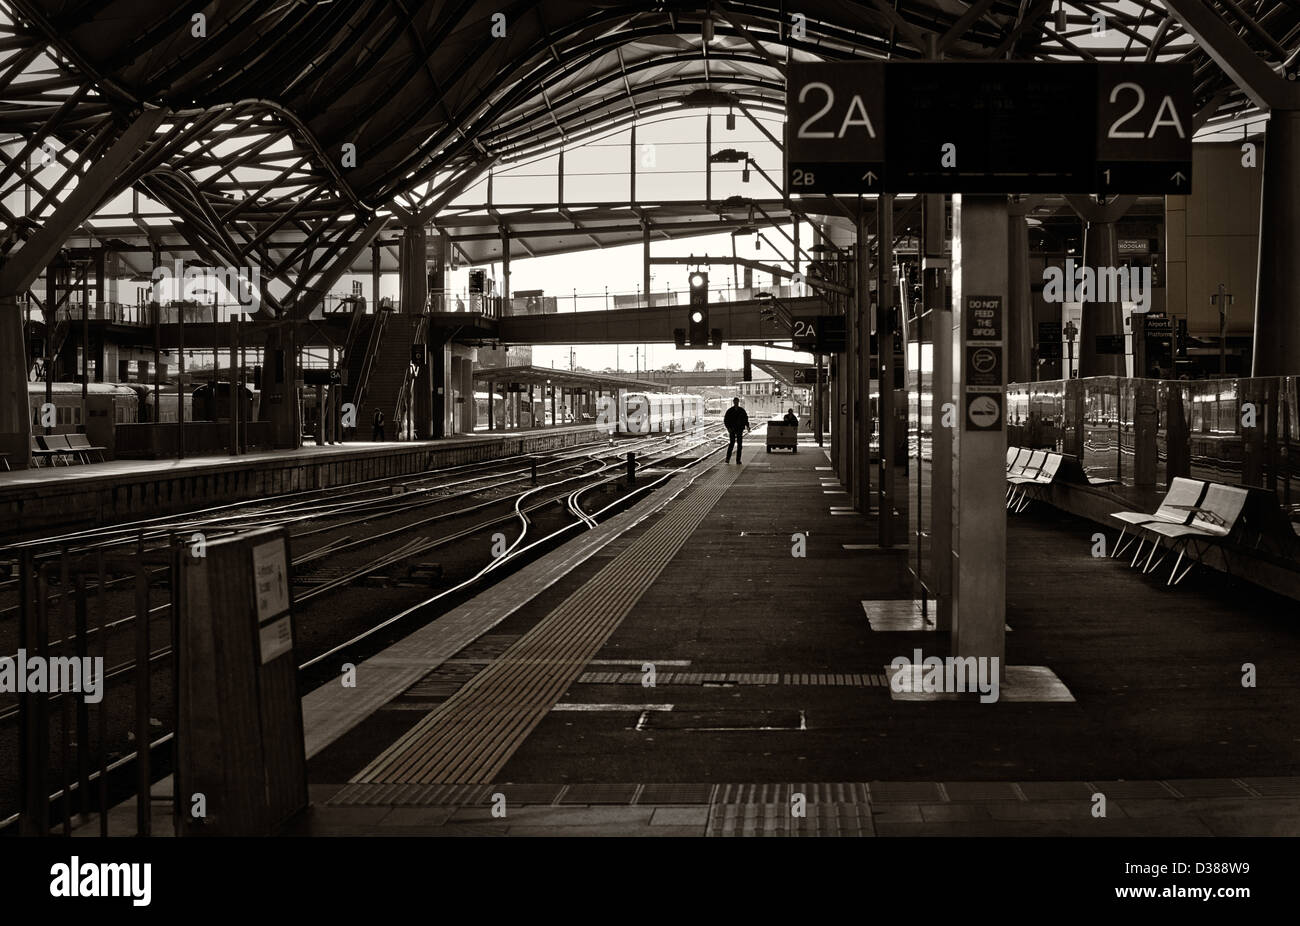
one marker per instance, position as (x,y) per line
(781,435)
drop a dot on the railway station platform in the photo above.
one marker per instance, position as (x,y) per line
(105,493)
(681,670)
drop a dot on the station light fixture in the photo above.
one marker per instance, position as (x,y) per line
(728,156)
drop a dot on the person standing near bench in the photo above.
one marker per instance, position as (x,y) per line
(736,421)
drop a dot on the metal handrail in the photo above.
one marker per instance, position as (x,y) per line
(408,380)
(368,361)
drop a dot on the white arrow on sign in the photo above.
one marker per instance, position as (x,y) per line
(1179,177)
(870,177)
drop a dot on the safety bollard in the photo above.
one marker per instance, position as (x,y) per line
(534,462)
(631,468)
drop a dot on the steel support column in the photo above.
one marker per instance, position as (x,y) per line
(979,512)
(888,501)
(943,412)
(1277,293)
(1020,305)
(22,267)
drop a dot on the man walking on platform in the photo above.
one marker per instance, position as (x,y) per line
(736,421)
(377,433)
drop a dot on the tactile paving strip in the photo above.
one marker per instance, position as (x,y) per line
(854,679)
(469,737)
(780,820)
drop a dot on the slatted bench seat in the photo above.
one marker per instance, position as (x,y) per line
(81,444)
(57,444)
(41,454)
(1193,515)
(1028,470)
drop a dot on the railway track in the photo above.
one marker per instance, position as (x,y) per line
(566,484)
(575,473)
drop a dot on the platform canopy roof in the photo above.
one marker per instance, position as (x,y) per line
(568,379)
(327,120)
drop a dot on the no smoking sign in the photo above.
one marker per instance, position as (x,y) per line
(983,411)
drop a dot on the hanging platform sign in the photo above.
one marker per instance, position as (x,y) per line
(988,127)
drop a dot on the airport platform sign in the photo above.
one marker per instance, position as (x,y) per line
(988,127)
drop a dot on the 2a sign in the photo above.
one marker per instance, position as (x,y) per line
(1144,128)
(834,132)
(988,127)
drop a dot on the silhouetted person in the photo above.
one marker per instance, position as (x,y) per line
(377,433)
(736,421)
(790,418)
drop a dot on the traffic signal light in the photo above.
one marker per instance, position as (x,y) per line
(749,371)
(698,330)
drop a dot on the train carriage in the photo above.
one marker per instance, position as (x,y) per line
(654,412)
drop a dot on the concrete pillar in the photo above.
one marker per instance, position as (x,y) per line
(944,420)
(15,419)
(279,388)
(413,280)
(888,500)
(979,512)
(1277,293)
(1178,450)
(1020,306)
(436,272)
(836,418)
(438,389)
(1100,318)
(862,417)
(505,269)
(421,401)
(468,421)
(1145,451)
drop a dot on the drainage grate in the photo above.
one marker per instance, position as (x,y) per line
(442,682)
(623,794)
(724,720)
(675,794)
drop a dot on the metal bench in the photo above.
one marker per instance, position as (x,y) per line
(58,445)
(82,445)
(1028,470)
(1193,515)
(40,454)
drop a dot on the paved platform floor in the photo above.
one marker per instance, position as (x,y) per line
(767,671)
(75,473)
